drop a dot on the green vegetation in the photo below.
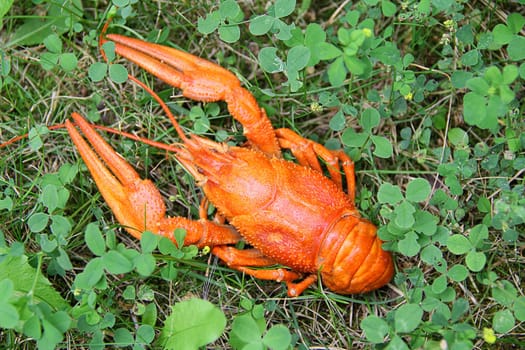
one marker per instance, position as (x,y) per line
(426,96)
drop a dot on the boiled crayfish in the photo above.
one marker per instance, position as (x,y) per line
(299,223)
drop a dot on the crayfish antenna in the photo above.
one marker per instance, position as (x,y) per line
(164,107)
(102,40)
(24,136)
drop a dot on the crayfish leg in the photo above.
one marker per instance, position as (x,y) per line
(203,212)
(296,289)
(245,261)
(242,257)
(308,153)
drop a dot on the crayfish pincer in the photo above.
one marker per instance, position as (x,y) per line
(299,223)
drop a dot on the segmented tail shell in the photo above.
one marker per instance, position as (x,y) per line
(351,259)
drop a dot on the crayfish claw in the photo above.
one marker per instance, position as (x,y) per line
(136,203)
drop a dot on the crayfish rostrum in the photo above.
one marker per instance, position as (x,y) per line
(299,223)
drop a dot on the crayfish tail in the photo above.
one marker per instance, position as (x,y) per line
(353,261)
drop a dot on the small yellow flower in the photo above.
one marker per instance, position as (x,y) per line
(409,96)
(316,107)
(367,32)
(206,250)
(488,335)
(449,24)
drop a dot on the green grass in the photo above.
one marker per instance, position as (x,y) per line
(425,96)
